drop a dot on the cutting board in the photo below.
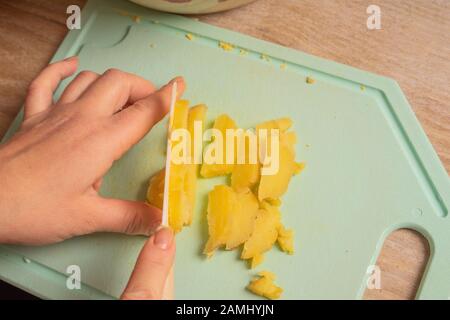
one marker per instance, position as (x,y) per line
(369,166)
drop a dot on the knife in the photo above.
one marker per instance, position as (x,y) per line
(165,211)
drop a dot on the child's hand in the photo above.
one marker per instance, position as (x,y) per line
(51,170)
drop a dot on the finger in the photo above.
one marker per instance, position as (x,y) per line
(76,88)
(154,263)
(169,286)
(123,216)
(40,92)
(133,123)
(115,89)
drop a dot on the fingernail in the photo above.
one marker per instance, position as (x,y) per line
(178,80)
(163,238)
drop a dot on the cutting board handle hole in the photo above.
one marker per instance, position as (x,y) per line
(405,253)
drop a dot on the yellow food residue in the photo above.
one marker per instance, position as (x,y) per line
(310,80)
(264,286)
(243,52)
(189,36)
(124,13)
(264,57)
(226,46)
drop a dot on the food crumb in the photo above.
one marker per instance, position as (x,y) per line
(299,166)
(362,87)
(283,66)
(155,21)
(152,45)
(122,12)
(243,52)
(226,46)
(26,260)
(189,36)
(264,57)
(137,19)
(310,80)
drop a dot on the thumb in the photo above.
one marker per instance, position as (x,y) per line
(152,268)
(124,216)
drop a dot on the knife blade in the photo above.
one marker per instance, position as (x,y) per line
(165,212)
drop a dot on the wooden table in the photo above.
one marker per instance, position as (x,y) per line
(412,47)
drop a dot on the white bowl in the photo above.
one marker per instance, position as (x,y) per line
(192,6)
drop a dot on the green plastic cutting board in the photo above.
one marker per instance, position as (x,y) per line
(370,168)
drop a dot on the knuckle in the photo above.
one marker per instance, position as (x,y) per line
(134,223)
(87,74)
(34,86)
(158,265)
(114,73)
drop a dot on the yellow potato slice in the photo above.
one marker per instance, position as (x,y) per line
(273,186)
(264,286)
(286,239)
(265,232)
(231,217)
(196,113)
(245,175)
(208,170)
(155,191)
(179,206)
(183,177)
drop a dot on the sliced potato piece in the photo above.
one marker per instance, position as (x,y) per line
(264,286)
(286,239)
(208,170)
(231,218)
(155,191)
(265,232)
(196,113)
(183,176)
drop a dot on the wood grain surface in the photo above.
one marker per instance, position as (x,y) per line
(413,47)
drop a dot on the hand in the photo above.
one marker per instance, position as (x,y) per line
(51,169)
